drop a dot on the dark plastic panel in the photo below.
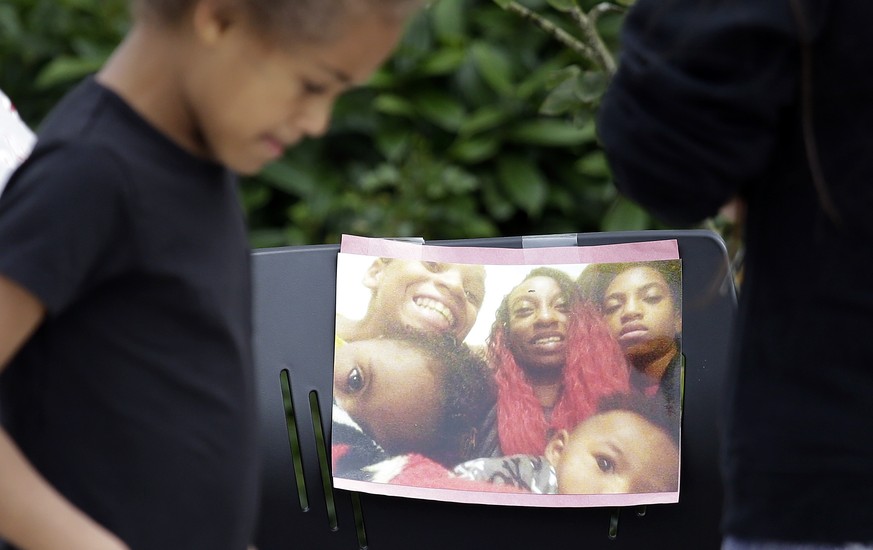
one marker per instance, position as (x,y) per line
(294,324)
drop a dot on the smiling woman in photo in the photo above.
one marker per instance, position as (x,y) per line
(419,297)
(553,359)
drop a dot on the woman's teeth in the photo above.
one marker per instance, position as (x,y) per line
(437,306)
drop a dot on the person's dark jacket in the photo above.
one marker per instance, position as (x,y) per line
(708,105)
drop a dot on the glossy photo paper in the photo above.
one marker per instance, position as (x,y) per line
(534,377)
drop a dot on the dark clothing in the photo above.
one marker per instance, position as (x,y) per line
(707,105)
(668,389)
(352,450)
(135,398)
(487,440)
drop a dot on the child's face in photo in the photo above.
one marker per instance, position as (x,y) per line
(537,332)
(256,99)
(391,389)
(614,452)
(640,311)
(427,297)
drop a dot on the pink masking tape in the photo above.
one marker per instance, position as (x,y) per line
(610,253)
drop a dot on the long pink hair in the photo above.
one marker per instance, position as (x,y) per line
(595,367)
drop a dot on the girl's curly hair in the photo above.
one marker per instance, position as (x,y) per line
(595,367)
(467,391)
(596,278)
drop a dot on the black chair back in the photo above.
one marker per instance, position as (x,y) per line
(295,290)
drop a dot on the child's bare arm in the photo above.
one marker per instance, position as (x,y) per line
(20,314)
(32,514)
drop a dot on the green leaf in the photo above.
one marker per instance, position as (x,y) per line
(443,61)
(393,143)
(503,3)
(440,108)
(391,104)
(383,176)
(458,181)
(573,90)
(583,117)
(66,69)
(542,77)
(470,151)
(10,24)
(625,216)
(495,201)
(593,164)
(551,133)
(267,238)
(353,113)
(523,183)
(485,118)
(286,177)
(295,236)
(383,79)
(418,37)
(570,72)
(563,5)
(449,23)
(470,84)
(87,47)
(80,4)
(591,86)
(254,195)
(494,66)
(561,100)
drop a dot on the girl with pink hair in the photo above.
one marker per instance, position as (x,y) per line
(553,359)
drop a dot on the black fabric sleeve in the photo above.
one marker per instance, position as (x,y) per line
(691,116)
(62,218)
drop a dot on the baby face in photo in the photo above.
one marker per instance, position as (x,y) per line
(617,451)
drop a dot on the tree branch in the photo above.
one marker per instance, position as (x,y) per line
(601,54)
(557,32)
(602,9)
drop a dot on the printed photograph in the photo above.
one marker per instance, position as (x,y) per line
(544,384)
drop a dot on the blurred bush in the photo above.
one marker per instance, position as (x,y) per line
(481,124)
(46,46)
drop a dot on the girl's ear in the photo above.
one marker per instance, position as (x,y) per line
(210,19)
(374,274)
(556,446)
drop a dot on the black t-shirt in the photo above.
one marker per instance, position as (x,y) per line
(706,105)
(135,398)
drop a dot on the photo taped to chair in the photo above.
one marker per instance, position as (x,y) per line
(535,377)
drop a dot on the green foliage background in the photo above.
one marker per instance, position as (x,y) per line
(481,124)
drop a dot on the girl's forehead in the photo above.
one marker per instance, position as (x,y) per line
(536,288)
(618,422)
(638,276)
